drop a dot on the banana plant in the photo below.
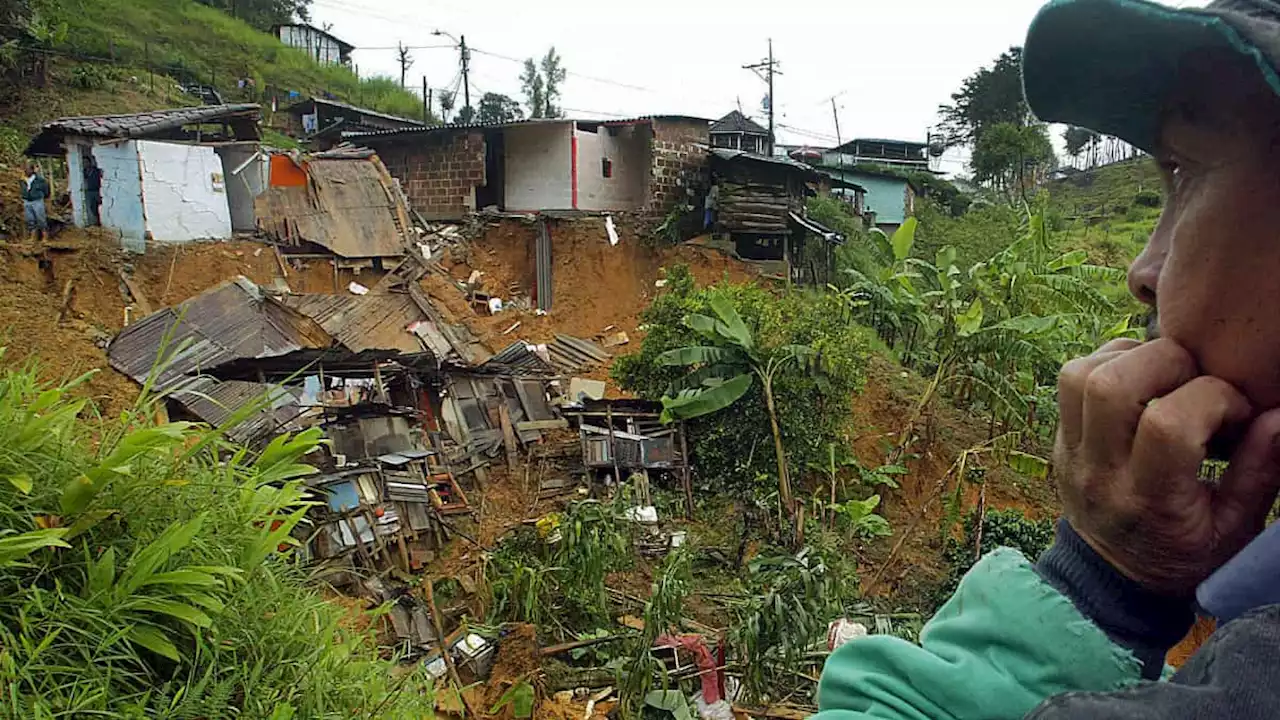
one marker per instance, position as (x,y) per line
(725,368)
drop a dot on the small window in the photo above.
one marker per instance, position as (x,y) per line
(606,167)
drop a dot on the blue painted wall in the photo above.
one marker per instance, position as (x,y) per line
(886,197)
(122,193)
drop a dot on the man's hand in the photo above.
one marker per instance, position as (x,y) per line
(1135,423)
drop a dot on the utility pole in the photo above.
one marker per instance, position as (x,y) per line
(771,68)
(405,62)
(426,101)
(466,74)
(836,114)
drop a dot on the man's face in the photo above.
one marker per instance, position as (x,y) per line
(1212,266)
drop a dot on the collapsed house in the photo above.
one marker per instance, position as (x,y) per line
(644,164)
(169,175)
(341,204)
(759,202)
(320,122)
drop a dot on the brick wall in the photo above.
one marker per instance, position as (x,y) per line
(439,172)
(679,166)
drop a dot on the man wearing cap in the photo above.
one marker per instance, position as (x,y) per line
(1145,542)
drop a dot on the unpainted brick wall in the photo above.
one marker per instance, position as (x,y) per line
(439,173)
(678,164)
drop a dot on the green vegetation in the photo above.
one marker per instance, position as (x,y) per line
(141,575)
(734,449)
(1108,212)
(999,528)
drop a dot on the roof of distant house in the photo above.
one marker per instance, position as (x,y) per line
(299,107)
(346,46)
(136,125)
(731,155)
(909,145)
(384,135)
(736,122)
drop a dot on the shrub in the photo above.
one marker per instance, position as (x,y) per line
(733,449)
(1148,198)
(1000,528)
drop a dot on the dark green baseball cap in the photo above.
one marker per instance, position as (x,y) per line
(1110,65)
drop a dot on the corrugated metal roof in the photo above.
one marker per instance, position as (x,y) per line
(354,108)
(730,155)
(364,322)
(564,355)
(217,401)
(147,123)
(232,321)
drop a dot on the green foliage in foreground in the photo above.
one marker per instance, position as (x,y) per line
(734,449)
(140,576)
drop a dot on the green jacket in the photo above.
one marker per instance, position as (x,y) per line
(1004,643)
(39,189)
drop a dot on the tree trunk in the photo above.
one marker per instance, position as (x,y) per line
(784,482)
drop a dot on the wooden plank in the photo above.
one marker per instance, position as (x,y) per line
(138,298)
(617,433)
(508,435)
(559,424)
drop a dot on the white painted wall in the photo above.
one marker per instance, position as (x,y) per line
(539,173)
(75,181)
(628,148)
(244,186)
(184,192)
(122,193)
(321,48)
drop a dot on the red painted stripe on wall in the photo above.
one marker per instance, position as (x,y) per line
(573,164)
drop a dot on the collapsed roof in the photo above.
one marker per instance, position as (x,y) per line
(241,119)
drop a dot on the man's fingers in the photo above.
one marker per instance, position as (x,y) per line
(1249,487)
(1116,395)
(1174,432)
(1071,384)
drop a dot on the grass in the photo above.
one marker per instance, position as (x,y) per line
(1100,212)
(186,41)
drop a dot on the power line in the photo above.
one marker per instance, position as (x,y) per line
(771,68)
(592,78)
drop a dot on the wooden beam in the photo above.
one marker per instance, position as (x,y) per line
(559,424)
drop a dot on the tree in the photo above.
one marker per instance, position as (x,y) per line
(496,108)
(262,14)
(1012,157)
(540,82)
(447,102)
(1079,140)
(724,369)
(990,96)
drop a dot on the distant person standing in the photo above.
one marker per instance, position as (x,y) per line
(35,191)
(92,191)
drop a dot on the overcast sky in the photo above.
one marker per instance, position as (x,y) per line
(888,63)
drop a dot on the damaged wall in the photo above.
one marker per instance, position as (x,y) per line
(244,186)
(539,167)
(122,192)
(184,191)
(439,172)
(627,149)
(679,166)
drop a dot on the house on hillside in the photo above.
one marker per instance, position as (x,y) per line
(739,132)
(759,202)
(321,122)
(888,198)
(904,154)
(170,175)
(323,47)
(643,164)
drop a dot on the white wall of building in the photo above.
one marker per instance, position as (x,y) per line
(539,166)
(321,47)
(122,192)
(75,181)
(184,190)
(628,149)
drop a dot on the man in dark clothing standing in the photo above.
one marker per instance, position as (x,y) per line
(92,191)
(35,191)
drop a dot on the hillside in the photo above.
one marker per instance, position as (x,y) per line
(1109,211)
(128,55)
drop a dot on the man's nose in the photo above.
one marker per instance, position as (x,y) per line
(1144,273)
